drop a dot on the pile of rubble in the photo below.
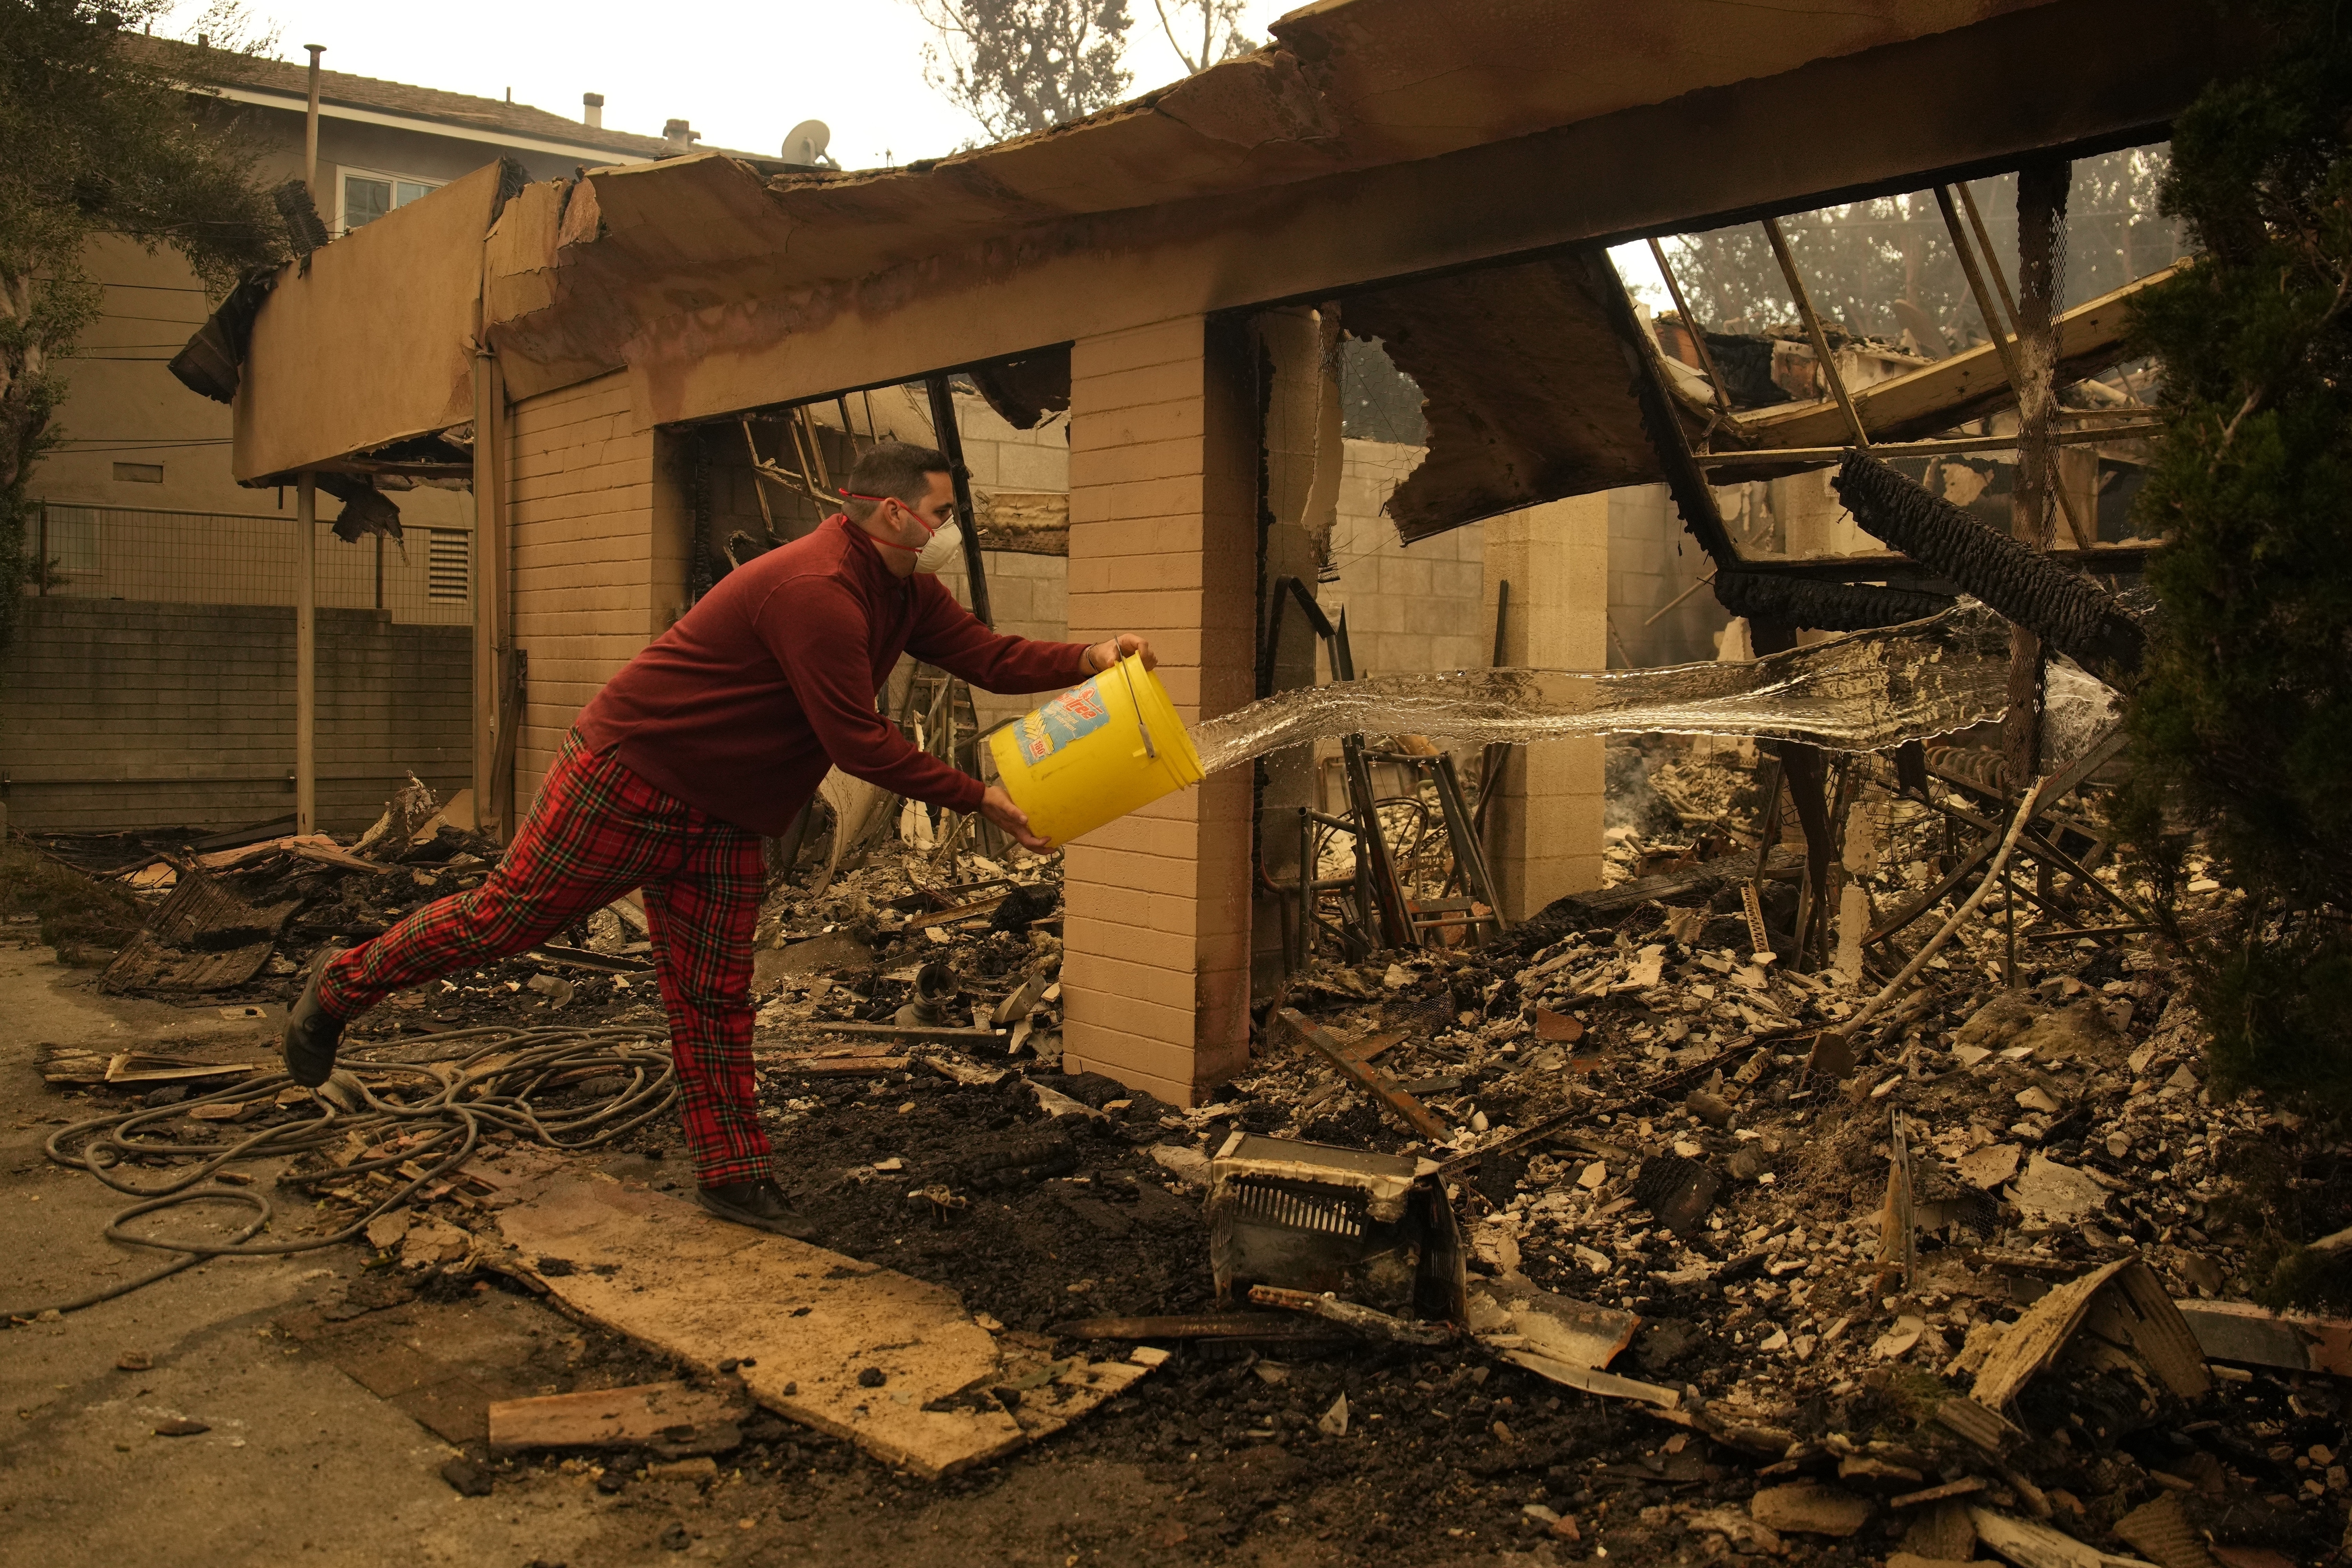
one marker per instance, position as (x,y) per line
(1634,1242)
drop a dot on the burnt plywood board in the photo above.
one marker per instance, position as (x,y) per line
(806,1322)
(1526,388)
(369,340)
(608,1417)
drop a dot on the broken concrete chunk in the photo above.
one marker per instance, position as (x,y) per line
(1898,1340)
(1809,1508)
(1577,1333)
(2050,1194)
(2036,1098)
(1188,1166)
(1998,1022)
(434,1241)
(1988,1167)
(1747,1534)
(2081,1032)
(1711,1108)
(384,1232)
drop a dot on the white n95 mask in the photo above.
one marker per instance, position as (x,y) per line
(943,549)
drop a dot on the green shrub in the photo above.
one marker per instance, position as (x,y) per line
(2242,723)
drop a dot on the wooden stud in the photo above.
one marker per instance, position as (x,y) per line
(1813,326)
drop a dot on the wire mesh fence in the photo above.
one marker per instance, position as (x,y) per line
(155,555)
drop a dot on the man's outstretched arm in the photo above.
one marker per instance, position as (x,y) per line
(952,637)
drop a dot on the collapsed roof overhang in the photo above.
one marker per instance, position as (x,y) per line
(1529,397)
(1375,139)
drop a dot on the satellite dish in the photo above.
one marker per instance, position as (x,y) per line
(804,144)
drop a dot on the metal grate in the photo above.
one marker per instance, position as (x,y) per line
(1328,1213)
(448,559)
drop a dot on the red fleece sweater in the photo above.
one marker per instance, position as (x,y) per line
(771,676)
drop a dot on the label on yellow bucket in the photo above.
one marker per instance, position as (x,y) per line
(1096,752)
(1075,712)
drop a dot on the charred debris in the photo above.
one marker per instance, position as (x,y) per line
(1660,1222)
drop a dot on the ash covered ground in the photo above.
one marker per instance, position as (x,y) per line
(2045,1101)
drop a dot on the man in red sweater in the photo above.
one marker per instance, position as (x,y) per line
(716,735)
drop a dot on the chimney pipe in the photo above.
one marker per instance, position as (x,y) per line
(591,110)
(310,127)
(681,136)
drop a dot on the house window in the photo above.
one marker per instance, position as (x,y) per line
(448,558)
(139,473)
(368,196)
(70,538)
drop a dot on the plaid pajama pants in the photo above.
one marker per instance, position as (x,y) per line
(597,831)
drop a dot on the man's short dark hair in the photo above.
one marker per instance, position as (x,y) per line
(898,470)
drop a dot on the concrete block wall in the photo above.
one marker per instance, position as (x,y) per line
(126,715)
(599,556)
(1652,561)
(1003,459)
(1544,838)
(1410,608)
(1164,531)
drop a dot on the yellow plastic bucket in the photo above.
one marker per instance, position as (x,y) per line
(1096,752)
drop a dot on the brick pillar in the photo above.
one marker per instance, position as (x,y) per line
(599,530)
(1163,542)
(1545,836)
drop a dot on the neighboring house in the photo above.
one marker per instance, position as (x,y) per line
(152,680)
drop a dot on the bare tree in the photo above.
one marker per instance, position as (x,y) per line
(1022,66)
(1214,13)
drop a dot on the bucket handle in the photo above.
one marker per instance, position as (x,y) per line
(1137,703)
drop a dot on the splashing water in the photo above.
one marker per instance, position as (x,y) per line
(1861,692)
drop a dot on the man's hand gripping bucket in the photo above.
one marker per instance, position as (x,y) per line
(1096,752)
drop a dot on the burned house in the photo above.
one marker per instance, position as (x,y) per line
(1170,279)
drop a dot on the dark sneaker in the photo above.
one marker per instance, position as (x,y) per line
(759,1205)
(311,1033)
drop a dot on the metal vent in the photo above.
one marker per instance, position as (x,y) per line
(448,566)
(1267,1203)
